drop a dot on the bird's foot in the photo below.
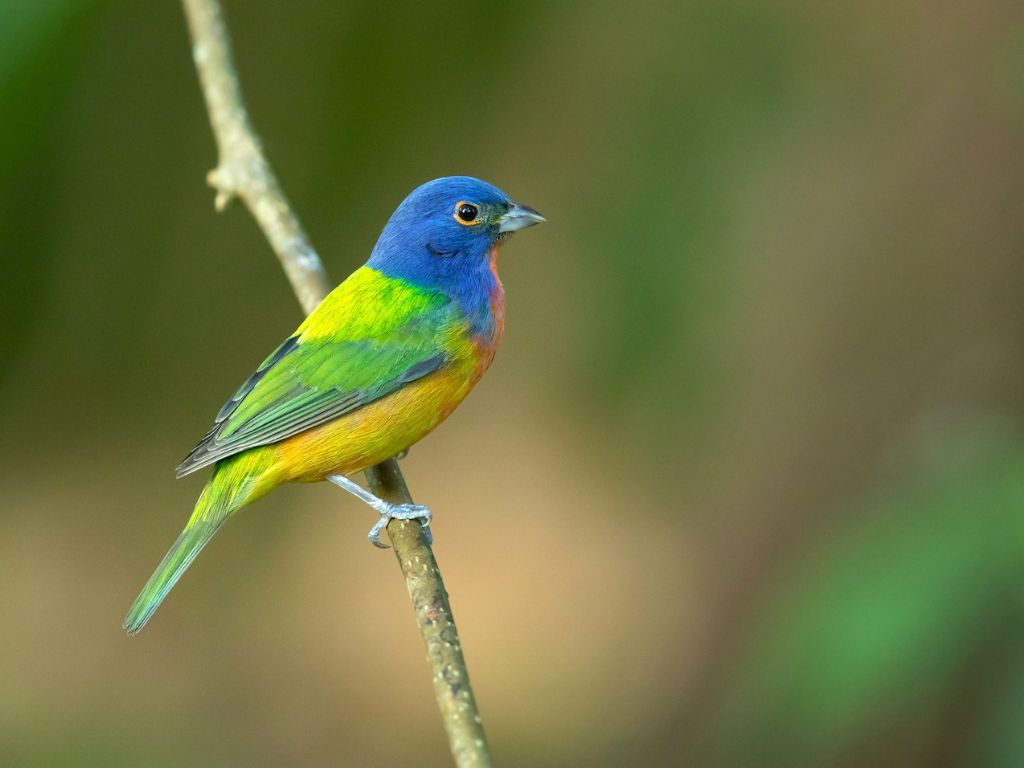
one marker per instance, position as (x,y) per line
(389,512)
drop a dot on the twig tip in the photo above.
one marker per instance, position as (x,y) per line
(218,180)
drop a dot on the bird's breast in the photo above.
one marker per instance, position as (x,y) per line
(496,299)
(488,327)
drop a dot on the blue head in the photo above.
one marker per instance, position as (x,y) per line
(443,234)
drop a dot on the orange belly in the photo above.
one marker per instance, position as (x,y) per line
(373,433)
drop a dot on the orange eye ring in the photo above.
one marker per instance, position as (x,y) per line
(467,214)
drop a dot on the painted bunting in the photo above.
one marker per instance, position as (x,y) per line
(384,359)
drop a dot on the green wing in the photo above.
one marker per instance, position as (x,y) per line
(321,373)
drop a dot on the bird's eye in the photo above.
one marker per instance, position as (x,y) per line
(467,213)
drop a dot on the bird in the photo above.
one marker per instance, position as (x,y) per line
(380,362)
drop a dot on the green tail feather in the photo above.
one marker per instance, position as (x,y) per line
(189,544)
(235,482)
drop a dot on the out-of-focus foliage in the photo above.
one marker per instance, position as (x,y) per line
(745,486)
(37,42)
(905,620)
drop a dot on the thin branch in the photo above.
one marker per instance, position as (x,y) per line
(243,171)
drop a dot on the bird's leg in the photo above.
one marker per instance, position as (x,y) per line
(387,510)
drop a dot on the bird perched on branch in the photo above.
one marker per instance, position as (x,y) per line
(378,364)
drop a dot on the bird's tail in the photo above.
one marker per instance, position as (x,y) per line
(189,544)
(227,491)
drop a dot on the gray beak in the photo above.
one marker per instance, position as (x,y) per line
(519,217)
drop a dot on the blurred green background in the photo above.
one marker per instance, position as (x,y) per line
(744,487)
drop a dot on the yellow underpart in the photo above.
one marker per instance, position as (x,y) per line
(373,433)
(358,440)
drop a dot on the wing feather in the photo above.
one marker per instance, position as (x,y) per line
(315,377)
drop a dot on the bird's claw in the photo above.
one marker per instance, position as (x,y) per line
(400,512)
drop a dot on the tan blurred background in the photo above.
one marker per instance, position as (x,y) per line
(744,487)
